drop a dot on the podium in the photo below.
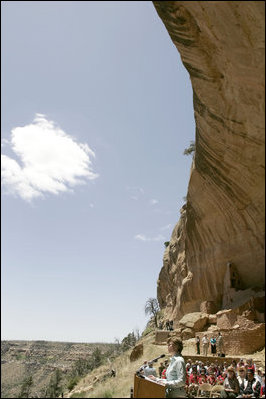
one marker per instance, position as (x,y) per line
(147,389)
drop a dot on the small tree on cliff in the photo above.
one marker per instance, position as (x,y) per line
(190,149)
(152,308)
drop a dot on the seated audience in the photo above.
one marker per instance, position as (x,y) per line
(231,385)
(241,376)
(252,386)
(193,381)
(211,379)
(202,377)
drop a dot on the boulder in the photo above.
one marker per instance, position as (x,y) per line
(196,321)
(136,353)
(226,319)
(187,333)
(212,328)
(212,319)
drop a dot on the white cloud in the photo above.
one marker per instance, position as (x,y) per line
(143,237)
(50,161)
(154,201)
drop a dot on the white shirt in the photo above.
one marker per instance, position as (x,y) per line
(205,340)
(176,373)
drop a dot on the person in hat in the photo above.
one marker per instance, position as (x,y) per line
(252,386)
(231,384)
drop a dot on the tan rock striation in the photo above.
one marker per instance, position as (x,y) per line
(217,247)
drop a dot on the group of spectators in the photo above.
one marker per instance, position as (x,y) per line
(169,325)
(214,342)
(239,380)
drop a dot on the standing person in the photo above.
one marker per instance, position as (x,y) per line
(220,343)
(171,325)
(176,371)
(231,384)
(167,325)
(198,344)
(205,344)
(213,345)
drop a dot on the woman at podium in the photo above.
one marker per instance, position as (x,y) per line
(176,372)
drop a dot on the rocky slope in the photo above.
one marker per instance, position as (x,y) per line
(40,359)
(216,252)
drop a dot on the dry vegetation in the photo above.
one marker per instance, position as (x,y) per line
(119,387)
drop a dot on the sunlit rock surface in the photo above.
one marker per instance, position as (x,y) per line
(217,248)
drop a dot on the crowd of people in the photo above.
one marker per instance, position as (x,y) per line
(239,380)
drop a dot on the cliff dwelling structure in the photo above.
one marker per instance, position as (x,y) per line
(214,263)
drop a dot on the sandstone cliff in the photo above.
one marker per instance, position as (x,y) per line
(217,248)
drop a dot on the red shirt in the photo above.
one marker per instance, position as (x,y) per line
(202,379)
(194,379)
(163,374)
(220,379)
(211,379)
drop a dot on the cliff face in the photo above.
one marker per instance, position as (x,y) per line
(40,359)
(217,248)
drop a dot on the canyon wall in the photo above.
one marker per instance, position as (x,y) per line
(216,252)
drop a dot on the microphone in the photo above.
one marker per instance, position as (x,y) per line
(151,361)
(157,358)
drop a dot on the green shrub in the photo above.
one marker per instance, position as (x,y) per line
(147,331)
(190,149)
(72,383)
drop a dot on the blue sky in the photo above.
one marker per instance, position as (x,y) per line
(96,113)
